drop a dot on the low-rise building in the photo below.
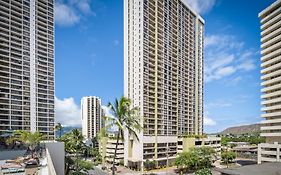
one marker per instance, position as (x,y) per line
(246,151)
(185,143)
(107,149)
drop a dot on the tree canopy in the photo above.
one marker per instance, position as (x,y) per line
(252,139)
(75,148)
(196,158)
(228,157)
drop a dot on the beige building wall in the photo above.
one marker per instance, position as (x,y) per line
(163,75)
(184,144)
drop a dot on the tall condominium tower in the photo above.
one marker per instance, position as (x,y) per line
(163,75)
(270,20)
(271,71)
(91,115)
(27,66)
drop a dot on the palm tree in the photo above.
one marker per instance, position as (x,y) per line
(73,145)
(28,138)
(59,128)
(126,119)
(77,141)
(95,142)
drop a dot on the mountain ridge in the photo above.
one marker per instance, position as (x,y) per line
(242,129)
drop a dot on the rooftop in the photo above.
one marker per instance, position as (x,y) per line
(257,169)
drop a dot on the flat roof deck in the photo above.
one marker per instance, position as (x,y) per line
(257,169)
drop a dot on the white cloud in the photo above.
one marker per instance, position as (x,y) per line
(107,111)
(209,122)
(70,12)
(247,66)
(221,41)
(65,15)
(225,71)
(67,112)
(217,104)
(235,80)
(82,5)
(201,6)
(225,56)
(220,62)
(246,55)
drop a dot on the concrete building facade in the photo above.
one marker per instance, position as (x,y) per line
(270,20)
(184,144)
(27,66)
(107,149)
(91,116)
(163,75)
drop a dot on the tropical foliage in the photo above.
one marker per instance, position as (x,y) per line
(93,153)
(195,158)
(228,157)
(252,139)
(149,165)
(75,149)
(95,142)
(205,171)
(125,118)
(30,139)
(59,128)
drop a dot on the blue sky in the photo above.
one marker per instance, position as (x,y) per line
(89,58)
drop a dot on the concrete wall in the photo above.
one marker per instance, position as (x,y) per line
(57,154)
(269,152)
(188,143)
(50,164)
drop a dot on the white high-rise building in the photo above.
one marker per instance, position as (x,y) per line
(163,75)
(91,115)
(270,19)
(27,66)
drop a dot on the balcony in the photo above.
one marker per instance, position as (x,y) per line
(271,28)
(271,94)
(274,67)
(267,128)
(271,114)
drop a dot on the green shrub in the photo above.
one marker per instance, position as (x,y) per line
(195,158)
(228,157)
(205,171)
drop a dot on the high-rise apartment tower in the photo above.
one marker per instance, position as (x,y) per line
(27,66)
(91,115)
(270,19)
(271,71)
(163,75)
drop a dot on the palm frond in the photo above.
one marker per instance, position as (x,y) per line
(133,133)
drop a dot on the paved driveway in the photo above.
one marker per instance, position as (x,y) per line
(97,171)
